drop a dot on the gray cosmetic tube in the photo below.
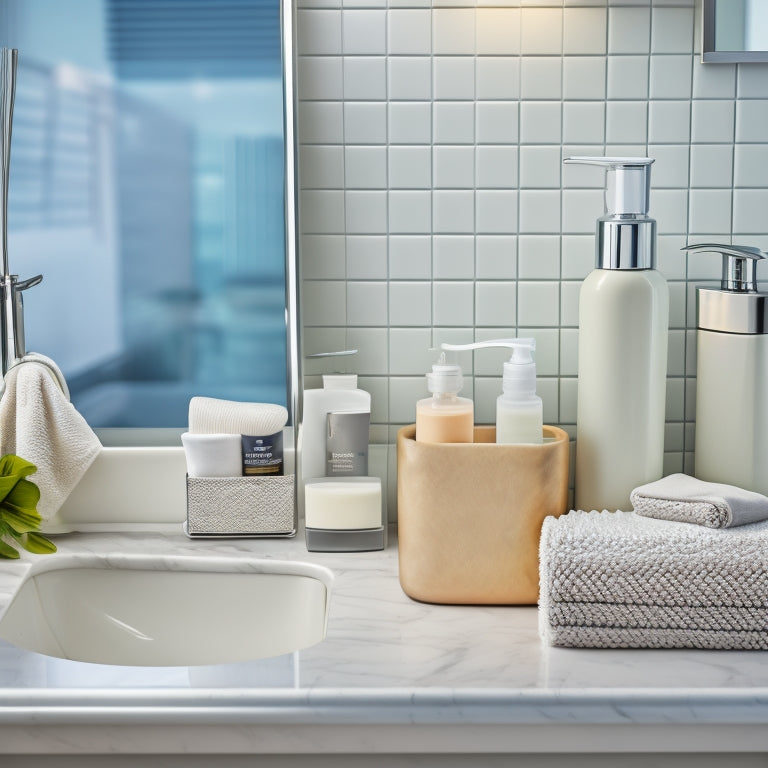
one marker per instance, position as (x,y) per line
(347,443)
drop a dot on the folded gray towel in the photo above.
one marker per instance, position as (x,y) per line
(688,500)
(616,579)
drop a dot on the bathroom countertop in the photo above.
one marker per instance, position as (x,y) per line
(392,675)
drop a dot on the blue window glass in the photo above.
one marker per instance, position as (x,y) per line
(147,187)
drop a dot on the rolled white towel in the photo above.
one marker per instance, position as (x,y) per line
(209,415)
(686,499)
(213,455)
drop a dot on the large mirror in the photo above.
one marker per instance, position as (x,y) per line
(735,30)
(152,186)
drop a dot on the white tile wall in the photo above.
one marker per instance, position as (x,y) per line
(433,201)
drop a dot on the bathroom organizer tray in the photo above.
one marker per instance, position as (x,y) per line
(241,506)
(470,515)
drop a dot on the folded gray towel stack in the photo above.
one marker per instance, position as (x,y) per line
(687,500)
(619,580)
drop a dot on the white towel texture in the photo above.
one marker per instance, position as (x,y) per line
(208,415)
(38,423)
(687,500)
(620,580)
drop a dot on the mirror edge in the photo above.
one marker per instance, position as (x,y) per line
(708,53)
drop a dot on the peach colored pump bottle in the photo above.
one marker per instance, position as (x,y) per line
(445,417)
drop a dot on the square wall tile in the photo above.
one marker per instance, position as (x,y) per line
(497,122)
(318,32)
(324,302)
(710,82)
(321,122)
(495,304)
(539,212)
(404,392)
(710,209)
(541,77)
(453,211)
(365,167)
(321,167)
(410,31)
(320,77)
(496,257)
(670,260)
(569,303)
(670,209)
(542,31)
(366,212)
(749,207)
(751,165)
(584,122)
(547,354)
(676,353)
(496,167)
(410,257)
(670,77)
(538,304)
(364,31)
(578,258)
(712,121)
(365,122)
(540,167)
(487,391)
(323,257)
(453,31)
(751,119)
(540,122)
(372,345)
(453,122)
(669,122)
(712,165)
(627,122)
(366,257)
(453,167)
(569,352)
(453,304)
(497,77)
(367,303)
(671,166)
(410,123)
(584,77)
(496,211)
(629,30)
(410,211)
(410,303)
(568,401)
(453,257)
(454,77)
(409,355)
(410,78)
(628,77)
(539,257)
(321,211)
(752,81)
(365,78)
(410,167)
(498,31)
(672,30)
(584,31)
(581,208)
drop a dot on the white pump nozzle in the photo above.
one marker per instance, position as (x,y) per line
(627,183)
(519,371)
(445,378)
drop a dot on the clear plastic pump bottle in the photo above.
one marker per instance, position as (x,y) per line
(445,417)
(518,409)
(623,325)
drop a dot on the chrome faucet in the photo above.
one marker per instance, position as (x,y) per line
(12,314)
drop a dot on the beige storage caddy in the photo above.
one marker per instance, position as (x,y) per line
(470,515)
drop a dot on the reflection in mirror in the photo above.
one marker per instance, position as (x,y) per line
(147,186)
(735,30)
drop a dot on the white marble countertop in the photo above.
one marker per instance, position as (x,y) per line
(388,663)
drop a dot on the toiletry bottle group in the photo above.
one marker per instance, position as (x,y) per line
(623,323)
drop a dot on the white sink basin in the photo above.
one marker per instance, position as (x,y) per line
(180,611)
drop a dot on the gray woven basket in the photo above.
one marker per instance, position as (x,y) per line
(241,506)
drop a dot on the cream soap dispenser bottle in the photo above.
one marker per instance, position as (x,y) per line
(445,417)
(519,409)
(623,323)
(731,443)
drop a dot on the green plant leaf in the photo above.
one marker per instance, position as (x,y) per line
(7,551)
(19,520)
(25,495)
(37,544)
(15,466)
